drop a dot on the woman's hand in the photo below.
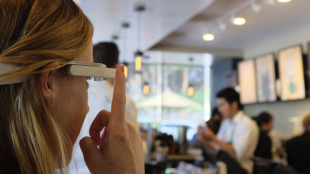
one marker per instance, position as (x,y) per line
(120,147)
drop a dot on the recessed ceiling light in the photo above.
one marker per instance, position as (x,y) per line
(208,37)
(284,1)
(239,21)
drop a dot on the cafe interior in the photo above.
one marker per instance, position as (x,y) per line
(179,54)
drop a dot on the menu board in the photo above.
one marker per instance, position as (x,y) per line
(266,78)
(307,80)
(291,74)
(247,82)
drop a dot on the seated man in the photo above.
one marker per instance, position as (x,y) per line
(298,149)
(214,124)
(238,134)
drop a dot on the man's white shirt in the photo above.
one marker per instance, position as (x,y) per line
(243,134)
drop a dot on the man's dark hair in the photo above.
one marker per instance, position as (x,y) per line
(263,118)
(106,53)
(230,95)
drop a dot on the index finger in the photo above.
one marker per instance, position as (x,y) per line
(101,121)
(119,97)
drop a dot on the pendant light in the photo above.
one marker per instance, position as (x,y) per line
(125,64)
(138,61)
(125,25)
(190,90)
(146,89)
(139,8)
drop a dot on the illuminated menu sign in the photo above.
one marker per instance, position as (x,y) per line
(247,82)
(266,78)
(292,74)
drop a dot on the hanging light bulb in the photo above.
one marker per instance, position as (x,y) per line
(239,21)
(256,8)
(208,37)
(139,8)
(146,89)
(190,90)
(125,69)
(138,63)
(284,1)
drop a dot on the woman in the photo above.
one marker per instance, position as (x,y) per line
(215,122)
(265,124)
(40,118)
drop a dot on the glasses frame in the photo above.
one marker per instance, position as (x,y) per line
(83,69)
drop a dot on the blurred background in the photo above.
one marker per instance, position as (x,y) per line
(179,53)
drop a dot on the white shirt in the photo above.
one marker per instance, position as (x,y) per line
(242,133)
(100,95)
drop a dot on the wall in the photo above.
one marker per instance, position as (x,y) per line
(219,71)
(286,114)
(288,38)
(282,111)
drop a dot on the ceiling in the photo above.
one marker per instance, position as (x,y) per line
(160,18)
(273,19)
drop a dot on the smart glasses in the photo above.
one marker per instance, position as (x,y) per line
(97,70)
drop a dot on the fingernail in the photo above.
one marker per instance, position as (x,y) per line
(122,68)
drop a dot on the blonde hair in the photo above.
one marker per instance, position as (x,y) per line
(33,34)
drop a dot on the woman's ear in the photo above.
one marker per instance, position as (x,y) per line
(47,84)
